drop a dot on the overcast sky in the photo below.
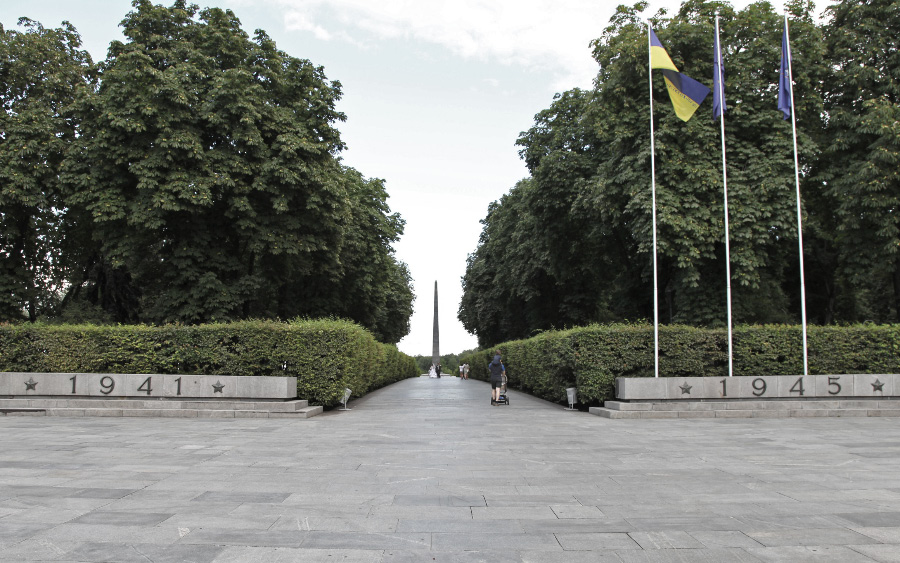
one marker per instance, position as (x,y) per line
(436,93)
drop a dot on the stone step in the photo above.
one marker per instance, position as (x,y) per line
(774,404)
(613,413)
(166,404)
(305,412)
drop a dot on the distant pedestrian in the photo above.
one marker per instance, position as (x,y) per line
(497,372)
(467,370)
(438,369)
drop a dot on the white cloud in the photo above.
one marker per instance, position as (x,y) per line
(299,21)
(549,35)
(544,35)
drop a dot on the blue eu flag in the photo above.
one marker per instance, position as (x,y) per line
(784,80)
(719,106)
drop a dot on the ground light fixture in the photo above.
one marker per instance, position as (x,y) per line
(347,393)
(571,394)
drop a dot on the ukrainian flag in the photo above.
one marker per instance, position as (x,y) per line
(659,58)
(686,93)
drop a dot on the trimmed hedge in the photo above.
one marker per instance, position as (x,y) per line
(325,355)
(591,358)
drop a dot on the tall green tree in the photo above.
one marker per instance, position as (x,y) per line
(539,265)
(42,71)
(862,168)
(493,306)
(690,216)
(581,225)
(374,288)
(578,267)
(207,164)
(192,176)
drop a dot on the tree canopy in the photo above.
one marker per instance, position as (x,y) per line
(572,244)
(199,170)
(42,71)
(861,162)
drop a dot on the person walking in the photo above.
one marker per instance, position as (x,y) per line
(497,372)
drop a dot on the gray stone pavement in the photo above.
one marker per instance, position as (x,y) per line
(428,470)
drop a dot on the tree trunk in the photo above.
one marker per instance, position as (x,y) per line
(896,280)
(828,317)
(20,252)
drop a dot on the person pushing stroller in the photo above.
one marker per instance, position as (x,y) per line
(498,374)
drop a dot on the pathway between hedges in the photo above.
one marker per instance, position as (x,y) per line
(428,470)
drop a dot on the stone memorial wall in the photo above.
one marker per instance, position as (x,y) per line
(15,384)
(767,396)
(151,395)
(762,387)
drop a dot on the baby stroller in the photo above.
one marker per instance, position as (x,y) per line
(503,398)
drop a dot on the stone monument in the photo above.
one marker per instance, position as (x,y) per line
(435,342)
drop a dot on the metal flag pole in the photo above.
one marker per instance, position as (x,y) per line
(799,211)
(653,196)
(721,94)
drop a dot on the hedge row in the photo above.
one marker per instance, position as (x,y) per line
(325,355)
(591,358)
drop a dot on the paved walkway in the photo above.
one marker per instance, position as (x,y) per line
(428,470)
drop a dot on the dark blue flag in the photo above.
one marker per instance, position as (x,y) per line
(784,80)
(719,106)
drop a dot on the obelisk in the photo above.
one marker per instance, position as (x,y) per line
(435,342)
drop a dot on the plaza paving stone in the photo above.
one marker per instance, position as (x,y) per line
(428,470)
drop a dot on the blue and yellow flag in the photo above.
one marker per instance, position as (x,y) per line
(659,58)
(686,93)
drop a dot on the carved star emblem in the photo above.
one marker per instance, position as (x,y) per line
(31,384)
(685,389)
(218,386)
(878,386)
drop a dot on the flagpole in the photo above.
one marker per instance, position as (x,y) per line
(799,211)
(653,197)
(721,93)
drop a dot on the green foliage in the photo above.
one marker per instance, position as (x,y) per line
(325,355)
(572,244)
(604,353)
(862,161)
(536,265)
(42,71)
(591,358)
(193,176)
(542,366)
(832,350)
(207,167)
(422,363)
(449,364)
(374,289)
